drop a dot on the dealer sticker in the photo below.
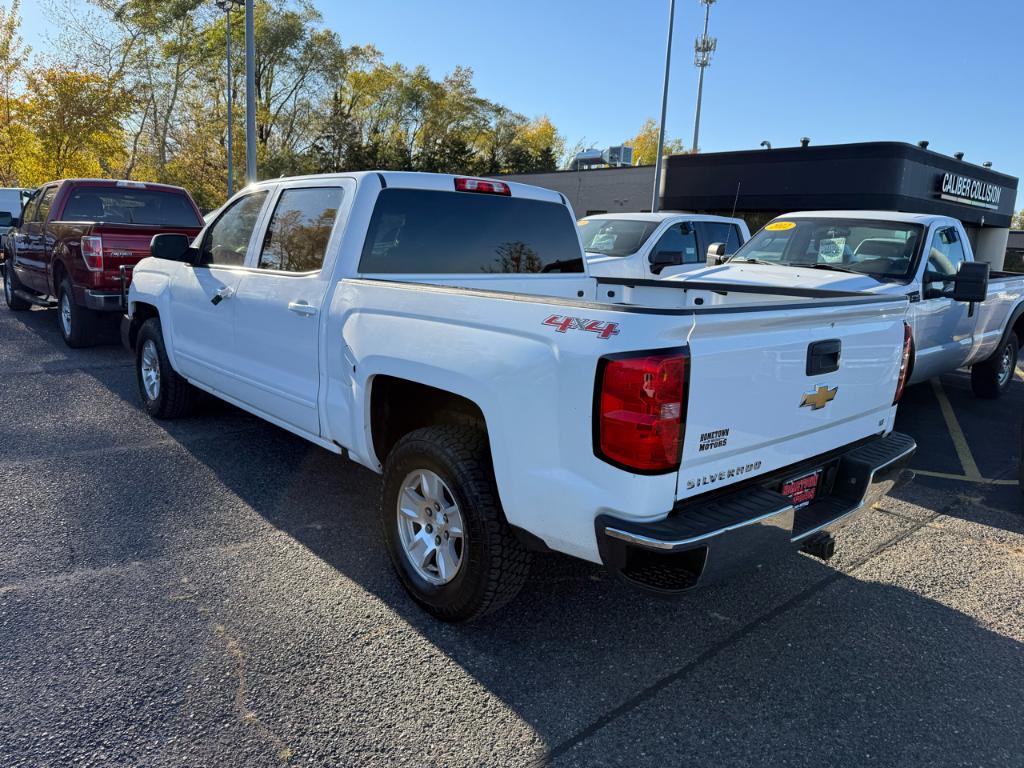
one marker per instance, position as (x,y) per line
(780,226)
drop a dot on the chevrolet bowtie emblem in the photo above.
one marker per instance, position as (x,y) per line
(819,398)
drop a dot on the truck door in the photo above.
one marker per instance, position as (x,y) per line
(203,297)
(943,332)
(279,304)
(30,243)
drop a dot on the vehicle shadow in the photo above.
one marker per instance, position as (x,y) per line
(792,656)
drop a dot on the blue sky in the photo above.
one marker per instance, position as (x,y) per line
(836,70)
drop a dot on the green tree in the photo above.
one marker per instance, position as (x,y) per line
(645,144)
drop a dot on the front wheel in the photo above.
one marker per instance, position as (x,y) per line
(444,527)
(14,302)
(165,394)
(992,377)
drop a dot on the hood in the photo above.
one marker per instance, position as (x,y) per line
(762,274)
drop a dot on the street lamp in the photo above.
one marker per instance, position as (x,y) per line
(228,6)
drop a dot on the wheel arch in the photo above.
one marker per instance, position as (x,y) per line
(141,312)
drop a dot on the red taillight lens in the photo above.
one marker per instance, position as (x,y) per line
(904,363)
(482,185)
(92,252)
(640,410)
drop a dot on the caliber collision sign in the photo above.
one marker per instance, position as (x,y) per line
(968,191)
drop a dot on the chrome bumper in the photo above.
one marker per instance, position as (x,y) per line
(705,540)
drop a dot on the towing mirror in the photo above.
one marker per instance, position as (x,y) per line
(716,254)
(971,282)
(172,247)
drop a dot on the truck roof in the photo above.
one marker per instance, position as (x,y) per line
(913,218)
(660,216)
(443,182)
(117,182)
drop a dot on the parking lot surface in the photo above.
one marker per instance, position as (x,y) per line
(215,592)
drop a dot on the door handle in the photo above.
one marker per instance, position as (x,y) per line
(226,292)
(302,308)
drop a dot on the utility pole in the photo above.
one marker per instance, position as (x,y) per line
(250,92)
(703,47)
(664,107)
(228,6)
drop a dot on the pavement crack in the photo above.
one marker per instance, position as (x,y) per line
(652,690)
(234,649)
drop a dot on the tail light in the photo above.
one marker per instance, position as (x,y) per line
(640,404)
(904,363)
(482,185)
(92,252)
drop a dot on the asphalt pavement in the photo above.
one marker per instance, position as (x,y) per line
(215,592)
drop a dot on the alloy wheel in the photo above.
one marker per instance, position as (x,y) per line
(149,369)
(430,527)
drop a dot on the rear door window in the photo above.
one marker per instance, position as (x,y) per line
(710,232)
(300,227)
(432,232)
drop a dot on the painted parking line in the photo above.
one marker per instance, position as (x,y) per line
(963,478)
(963,451)
(1020,372)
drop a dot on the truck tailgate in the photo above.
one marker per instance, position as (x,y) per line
(764,392)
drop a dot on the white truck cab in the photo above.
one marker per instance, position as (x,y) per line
(651,245)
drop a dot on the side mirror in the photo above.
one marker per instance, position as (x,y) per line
(716,254)
(6,219)
(172,247)
(971,282)
(661,259)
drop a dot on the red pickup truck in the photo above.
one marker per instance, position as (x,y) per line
(75,236)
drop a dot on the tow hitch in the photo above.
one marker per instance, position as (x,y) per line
(821,545)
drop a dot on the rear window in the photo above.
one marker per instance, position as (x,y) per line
(424,231)
(123,205)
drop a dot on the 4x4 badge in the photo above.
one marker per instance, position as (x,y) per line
(819,398)
(602,328)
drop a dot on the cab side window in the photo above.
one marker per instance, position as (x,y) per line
(677,246)
(228,238)
(945,255)
(299,229)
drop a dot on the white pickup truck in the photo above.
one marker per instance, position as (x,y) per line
(961,313)
(443,331)
(651,245)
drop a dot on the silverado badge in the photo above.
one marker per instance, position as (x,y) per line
(819,398)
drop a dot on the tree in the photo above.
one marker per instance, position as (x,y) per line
(13,132)
(1018,220)
(645,144)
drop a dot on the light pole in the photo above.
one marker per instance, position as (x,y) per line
(228,6)
(250,92)
(703,47)
(664,107)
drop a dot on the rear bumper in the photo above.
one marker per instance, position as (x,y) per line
(101,301)
(705,540)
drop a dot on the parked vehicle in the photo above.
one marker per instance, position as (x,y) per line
(11,199)
(77,235)
(648,245)
(962,314)
(443,331)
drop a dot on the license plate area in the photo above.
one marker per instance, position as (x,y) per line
(803,489)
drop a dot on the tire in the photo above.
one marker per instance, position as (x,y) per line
(492,564)
(172,397)
(992,377)
(11,284)
(77,324)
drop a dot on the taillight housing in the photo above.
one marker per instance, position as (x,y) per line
(92,252)
(640,409)
(463,184)
(908,341)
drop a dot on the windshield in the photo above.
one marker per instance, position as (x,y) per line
(615,237)
(881,249)
(119,205)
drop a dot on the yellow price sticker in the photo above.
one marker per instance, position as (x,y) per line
(581,222)
(780,226)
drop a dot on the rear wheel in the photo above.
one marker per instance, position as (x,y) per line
(165,394)
(77,324)
(989,379)
(444,527)
(11,284)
